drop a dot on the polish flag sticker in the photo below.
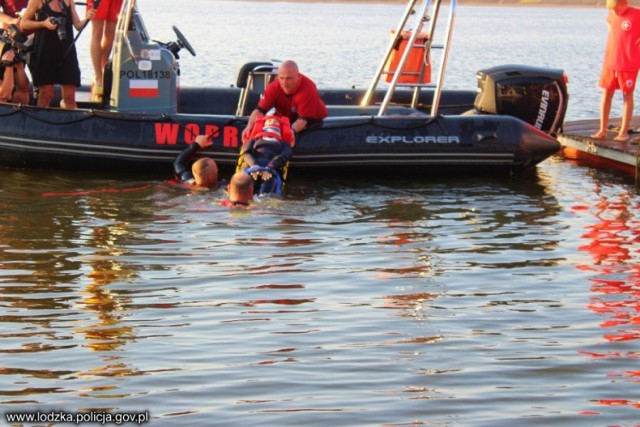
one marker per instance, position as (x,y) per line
(143,88)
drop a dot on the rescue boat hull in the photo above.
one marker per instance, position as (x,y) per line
(147,117)
(362,143)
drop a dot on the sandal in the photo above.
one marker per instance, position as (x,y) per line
(96,93)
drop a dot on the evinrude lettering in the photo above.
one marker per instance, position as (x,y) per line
(418,139)
(544,105)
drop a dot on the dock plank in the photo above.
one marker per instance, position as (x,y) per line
(577,144)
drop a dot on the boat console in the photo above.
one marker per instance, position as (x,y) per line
(145,73)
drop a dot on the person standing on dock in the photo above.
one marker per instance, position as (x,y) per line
(293,95)
(621,65)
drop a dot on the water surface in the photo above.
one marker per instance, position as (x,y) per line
(441,302)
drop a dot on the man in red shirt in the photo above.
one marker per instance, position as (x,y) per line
(293,95)
(8,16)
(621,64)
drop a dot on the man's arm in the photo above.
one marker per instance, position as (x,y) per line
(246,155)
(6,90)
(299,125)
(281,159)
(6,19)
(182,171)
(309,105)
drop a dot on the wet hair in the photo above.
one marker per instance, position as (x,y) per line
(240,188)
(205,172)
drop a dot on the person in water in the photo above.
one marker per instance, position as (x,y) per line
(240,190)
(293,95)
(267,152)
(203,173)
(621,65)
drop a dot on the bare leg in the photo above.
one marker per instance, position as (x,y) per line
(97,26)
(69,97)
(605,110)
(21,93)
(107,41)
(627,113)
(45,94)
(6,87)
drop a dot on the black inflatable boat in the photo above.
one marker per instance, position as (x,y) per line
(404,124)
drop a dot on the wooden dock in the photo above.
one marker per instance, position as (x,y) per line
(605,153)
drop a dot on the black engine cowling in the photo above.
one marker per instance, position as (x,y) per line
(535,95)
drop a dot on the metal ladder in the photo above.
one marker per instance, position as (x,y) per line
(428,13)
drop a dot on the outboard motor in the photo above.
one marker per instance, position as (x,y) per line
(535,95)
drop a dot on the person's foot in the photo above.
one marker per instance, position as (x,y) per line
(96,93)
(601,134)
(622,137)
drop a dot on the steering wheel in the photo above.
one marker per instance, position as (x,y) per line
(182,41)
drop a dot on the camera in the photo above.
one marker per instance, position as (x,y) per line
(60,21)
(14,39)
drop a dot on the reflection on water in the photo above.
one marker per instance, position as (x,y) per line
(106,268)
(615,283)
(59,254)
(344,303)
(108,332)
(449,302)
